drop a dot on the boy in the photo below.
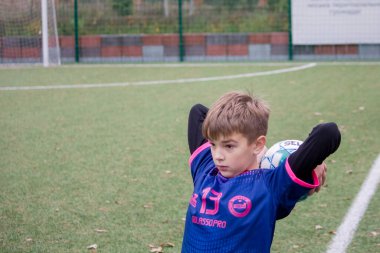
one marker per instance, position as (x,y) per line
(235,205)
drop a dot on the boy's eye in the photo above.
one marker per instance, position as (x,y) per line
(229,146)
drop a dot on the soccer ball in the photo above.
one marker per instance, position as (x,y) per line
(276,154)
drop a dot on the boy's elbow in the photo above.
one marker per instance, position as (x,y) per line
(330,128)
(330,131)
(195,108)
(198,110)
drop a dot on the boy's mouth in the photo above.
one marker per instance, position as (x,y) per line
(222,167)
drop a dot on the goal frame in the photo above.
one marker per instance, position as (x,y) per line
(45,33)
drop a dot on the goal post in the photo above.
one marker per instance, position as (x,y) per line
(45,35)
(28,32)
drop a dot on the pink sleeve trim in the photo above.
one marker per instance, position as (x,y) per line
(299,181)
(197,151)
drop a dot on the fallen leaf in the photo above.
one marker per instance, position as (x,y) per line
(92,246)
(374,233)
(168,172)
(155,249)
(148,205)
(167,244)
(349,172)
(317,114)
(332,232)
(99,230)
(103,209)
(318,227)
(361,108)
(29,239)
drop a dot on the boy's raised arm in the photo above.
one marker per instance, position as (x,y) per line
(323,140)
(194,131)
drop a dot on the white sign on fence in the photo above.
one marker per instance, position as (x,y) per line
(318,22)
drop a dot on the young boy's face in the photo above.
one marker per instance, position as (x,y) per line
(233,154)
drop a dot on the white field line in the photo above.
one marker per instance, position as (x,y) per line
(175,81)
(346,230)
(187,64)
(184,65)
(216,64)
(156,65)
(350,63)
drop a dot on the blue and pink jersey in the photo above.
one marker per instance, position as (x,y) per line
(237,214)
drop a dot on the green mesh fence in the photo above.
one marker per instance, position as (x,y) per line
(161,16)
(194,30)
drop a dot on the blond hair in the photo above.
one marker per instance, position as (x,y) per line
(237,112)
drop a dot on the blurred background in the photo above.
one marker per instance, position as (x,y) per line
(191,30)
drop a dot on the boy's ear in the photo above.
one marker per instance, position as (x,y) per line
(260,144)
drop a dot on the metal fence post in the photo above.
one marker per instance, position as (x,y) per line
(76,31)
(290,44)
(180,32)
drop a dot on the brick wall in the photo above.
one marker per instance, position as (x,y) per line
(165,48)
(197,47)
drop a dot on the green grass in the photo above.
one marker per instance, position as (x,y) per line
(76,160)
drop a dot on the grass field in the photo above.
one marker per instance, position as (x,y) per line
(108,166)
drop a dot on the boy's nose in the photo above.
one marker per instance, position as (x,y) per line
(218,155)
